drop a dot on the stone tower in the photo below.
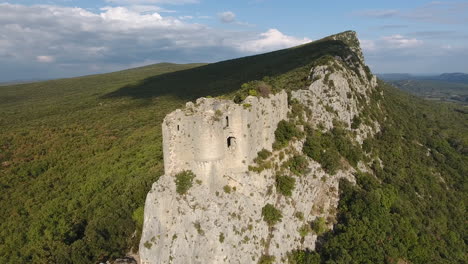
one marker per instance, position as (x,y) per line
(216,136)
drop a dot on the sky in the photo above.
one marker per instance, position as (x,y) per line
(65,38)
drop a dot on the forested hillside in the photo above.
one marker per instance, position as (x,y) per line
(75,167)
(411,207)
(435,90)
(78,156)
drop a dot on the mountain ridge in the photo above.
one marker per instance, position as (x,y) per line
(457,77)
(78,157)
(184,227)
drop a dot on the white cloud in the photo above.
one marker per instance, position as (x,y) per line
(45,58)
(379,13)
(447,47)
(149,8)
(400,53)
(185,17)
(392,42)
(271,40)
(367,45)
(227,17)
(399,41)
(449,12)
(77,41)
(139,2)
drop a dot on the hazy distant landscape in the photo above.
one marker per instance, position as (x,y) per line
(452,87)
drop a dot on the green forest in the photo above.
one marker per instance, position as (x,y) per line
(78,156)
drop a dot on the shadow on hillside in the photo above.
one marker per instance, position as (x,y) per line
(227,76)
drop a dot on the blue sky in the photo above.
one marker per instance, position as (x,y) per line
(62,38)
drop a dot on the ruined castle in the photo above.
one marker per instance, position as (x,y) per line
(216,136)
(219,220)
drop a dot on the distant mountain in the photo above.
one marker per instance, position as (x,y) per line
(20,82)
(456,77)
(394,76)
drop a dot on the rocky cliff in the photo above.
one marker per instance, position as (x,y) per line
(253,199)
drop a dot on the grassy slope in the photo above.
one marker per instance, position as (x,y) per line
(79,155)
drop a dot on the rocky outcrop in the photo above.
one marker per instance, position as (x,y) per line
(219,226)
(340,90)
(219,219)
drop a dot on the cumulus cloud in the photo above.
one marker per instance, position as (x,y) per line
(403,53)
(392,42)
(75,41)
(367,45)
(227,17)
(271,40)
(45,58)
(149,8)
(399,41)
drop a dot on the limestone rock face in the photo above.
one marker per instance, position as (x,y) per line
(219,219)
(210,225)
(340,90)
(351,40)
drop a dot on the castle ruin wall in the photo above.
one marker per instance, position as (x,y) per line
(217,136)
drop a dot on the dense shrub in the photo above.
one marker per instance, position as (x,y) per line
(238,99)
(253,88)
(319,225)
(330,161)
(303,257)
(227,189)
(313,147)
(284,133)
(356,122)
(328,148)
(263,154)
(285,185)
(265,259)
(318,150)
(262,162)
(298,164)
(343,144)
(253,92)
(183,181)
(304,230)
(271,215)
